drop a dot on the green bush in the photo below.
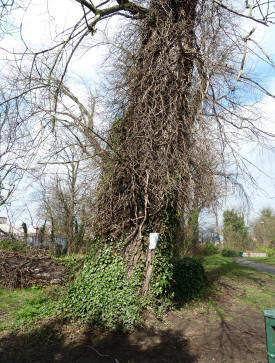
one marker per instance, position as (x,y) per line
(210,249)
(189,279)
(226,252)
(103,295)
(12,245)
(270,251)
(260,249)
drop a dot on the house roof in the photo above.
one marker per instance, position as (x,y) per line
(10,229)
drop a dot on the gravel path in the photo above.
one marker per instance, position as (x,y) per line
(256,265)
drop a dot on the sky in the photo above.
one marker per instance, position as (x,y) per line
(43,19)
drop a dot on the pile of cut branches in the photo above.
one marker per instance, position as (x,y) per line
(22,270)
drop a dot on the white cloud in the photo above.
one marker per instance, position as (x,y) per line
(44,19)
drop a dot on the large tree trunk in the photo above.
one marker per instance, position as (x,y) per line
(150,175)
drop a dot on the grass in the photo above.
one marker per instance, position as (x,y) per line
(258,299)
(254,289)
(20,308)
(211,263)
(265,260)
(220,266)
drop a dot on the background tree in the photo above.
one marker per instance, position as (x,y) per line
(65,199)
(264,228)
(235,232)
(25,230)
(14,150)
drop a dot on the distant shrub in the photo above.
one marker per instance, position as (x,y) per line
(226,252)
(210,249)
(12,245)
(270,251)
(260,249)
(189,279)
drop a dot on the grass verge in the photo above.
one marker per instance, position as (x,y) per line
(20,309)
(264,260)
(254,289)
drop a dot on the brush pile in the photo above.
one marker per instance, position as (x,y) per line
(18,269)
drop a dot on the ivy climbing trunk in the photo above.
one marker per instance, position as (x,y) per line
(148,181)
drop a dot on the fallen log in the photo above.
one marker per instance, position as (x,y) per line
(19,269)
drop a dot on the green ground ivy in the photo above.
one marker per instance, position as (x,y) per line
(103,295)
(162,277)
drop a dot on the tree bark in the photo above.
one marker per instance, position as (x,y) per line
(154,135)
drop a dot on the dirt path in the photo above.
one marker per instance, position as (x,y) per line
(257,266)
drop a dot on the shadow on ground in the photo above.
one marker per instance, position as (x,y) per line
(48,344)
(184,338)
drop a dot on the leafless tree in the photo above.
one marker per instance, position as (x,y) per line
(65,198)
(178,83)
(5,8)
(14,147)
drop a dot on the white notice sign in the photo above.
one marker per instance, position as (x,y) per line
(153,240)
